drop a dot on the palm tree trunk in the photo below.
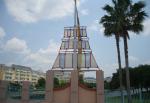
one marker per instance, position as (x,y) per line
(127,68)
(120,69)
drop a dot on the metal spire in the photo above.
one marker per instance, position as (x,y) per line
(76,16)
(77,27)
(75,6)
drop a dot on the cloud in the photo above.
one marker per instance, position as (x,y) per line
(2,32)
(95,26)
(109,69)
(44,56)
(16,45)
(34,10)
(146,31)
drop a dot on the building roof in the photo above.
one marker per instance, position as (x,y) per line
(21,67)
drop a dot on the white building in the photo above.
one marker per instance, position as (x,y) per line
(19,73)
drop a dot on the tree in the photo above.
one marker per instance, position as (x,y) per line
(123,17)
(81,80)
(139,77)
(114,84)
(107,85)
(131,17)
(111,27)
(40,83)
(56,82)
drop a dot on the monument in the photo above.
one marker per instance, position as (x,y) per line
(75,55)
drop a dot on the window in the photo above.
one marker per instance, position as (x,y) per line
(63,45)
(75,32)
(71,44)
(62,60)
(84,32)
(65,33)
(87,60)
(81,60)
(79,44)
(87,45)
(66,44)
(71,32)
(68,61)
(83,44)
(68,33)
(93,62)
(81,32)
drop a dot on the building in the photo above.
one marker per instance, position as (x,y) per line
(90,80)
(63,76)
(17,73)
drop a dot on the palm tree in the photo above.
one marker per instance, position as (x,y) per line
(123,17)
(132,16)
(111,27)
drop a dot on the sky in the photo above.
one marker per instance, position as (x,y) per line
(31,32)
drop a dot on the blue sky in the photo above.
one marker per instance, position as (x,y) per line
(31,33)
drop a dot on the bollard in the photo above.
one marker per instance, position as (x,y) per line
(100,86)
(74,86)
(25,92)
(3,91)
(49,87)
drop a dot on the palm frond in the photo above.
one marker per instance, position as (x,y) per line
(137,7)
(107,18)
(109,9)
(136,28)
(140,17)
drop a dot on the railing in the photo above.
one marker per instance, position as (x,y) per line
(138,96)
(14,91)
(37,94)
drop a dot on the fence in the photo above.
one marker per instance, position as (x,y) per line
(138,96)
(74,93)
(14,93)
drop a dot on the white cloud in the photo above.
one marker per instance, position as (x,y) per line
(44,56)
(146,31)
(52,48)
(2,32)
(16,45)
(95,26)
(34,10)
(109,69)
